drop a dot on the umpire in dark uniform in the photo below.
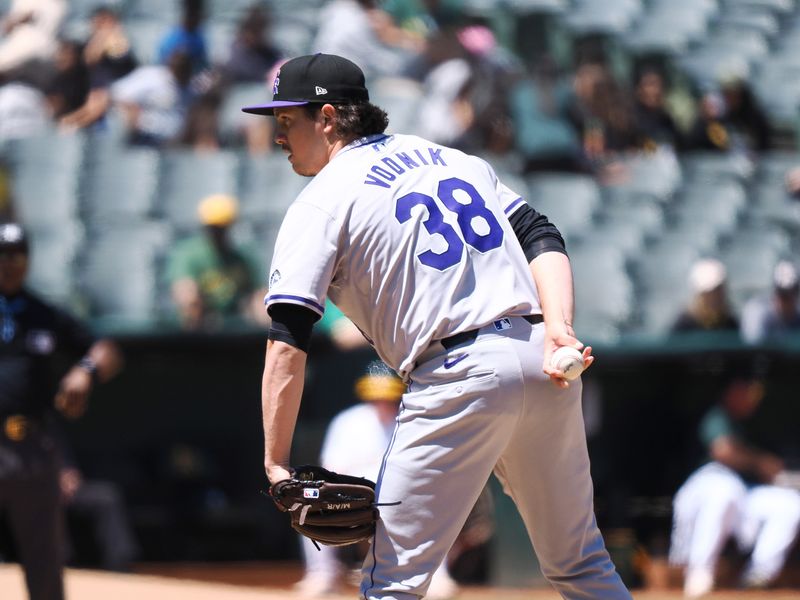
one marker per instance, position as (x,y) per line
(33,338)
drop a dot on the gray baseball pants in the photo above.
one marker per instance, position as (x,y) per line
(493,409)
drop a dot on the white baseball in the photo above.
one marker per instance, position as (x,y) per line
(569,361)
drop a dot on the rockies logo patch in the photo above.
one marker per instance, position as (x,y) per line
(274,278)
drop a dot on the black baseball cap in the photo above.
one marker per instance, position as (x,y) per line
(315,79)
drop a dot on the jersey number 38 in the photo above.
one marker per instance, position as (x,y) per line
(472,212)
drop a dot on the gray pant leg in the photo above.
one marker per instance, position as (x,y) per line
(451,431)
(545,469)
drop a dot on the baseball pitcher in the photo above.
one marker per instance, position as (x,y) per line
(431,257)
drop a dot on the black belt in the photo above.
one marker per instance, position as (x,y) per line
(469,336)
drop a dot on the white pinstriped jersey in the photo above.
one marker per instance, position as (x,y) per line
(410,240)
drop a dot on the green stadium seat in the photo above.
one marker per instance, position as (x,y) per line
(627,236)
(749,271)
(569,201)
(119,275)
(657,176)
(663,267)
(219,37)
(232,120)
(145,34)
(268,186)
(603,289)
(112,299)
(658,312)
(400,98)
(54,251)
(773,166)
(645,213)
(119,185)
(701,236)
(714,166)
(46,176)
(188,177)
(717,195)
(612,17)
(165,12)
(227,11)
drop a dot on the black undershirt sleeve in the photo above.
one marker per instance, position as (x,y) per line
(535,233)
(292,324)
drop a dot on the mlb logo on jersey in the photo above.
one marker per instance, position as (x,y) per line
(310,493)
(503,324)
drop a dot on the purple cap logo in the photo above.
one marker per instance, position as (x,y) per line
(276,83)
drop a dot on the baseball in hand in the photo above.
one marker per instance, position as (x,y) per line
(569,361)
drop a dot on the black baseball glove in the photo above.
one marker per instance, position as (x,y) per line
(328,508)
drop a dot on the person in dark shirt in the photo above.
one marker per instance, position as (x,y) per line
(34,337)
(710,130)
(252,54)
(70,84)
(653,121)
(745,115)
(107,56)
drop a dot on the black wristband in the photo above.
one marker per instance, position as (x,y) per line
(90,366)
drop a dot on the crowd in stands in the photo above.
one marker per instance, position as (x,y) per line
(443,69)
(470,82)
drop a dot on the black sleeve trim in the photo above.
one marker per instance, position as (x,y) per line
(292,324)
(535,233)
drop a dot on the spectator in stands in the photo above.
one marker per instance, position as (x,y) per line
(201,130)
(187,37)
(252,54)
(745,116)
(366,34)
(778,314)
(709,308)
(731,120)
(483,100)
(108,57)
(70,85)
(734,496)
(445,111)
(653,121)
(28,35)
(601,110)
(155,100)
(710,130)
(214,282)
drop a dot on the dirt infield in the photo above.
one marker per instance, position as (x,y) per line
(267,582)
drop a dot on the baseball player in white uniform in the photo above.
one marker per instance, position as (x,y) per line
(431,257)
(737,494)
